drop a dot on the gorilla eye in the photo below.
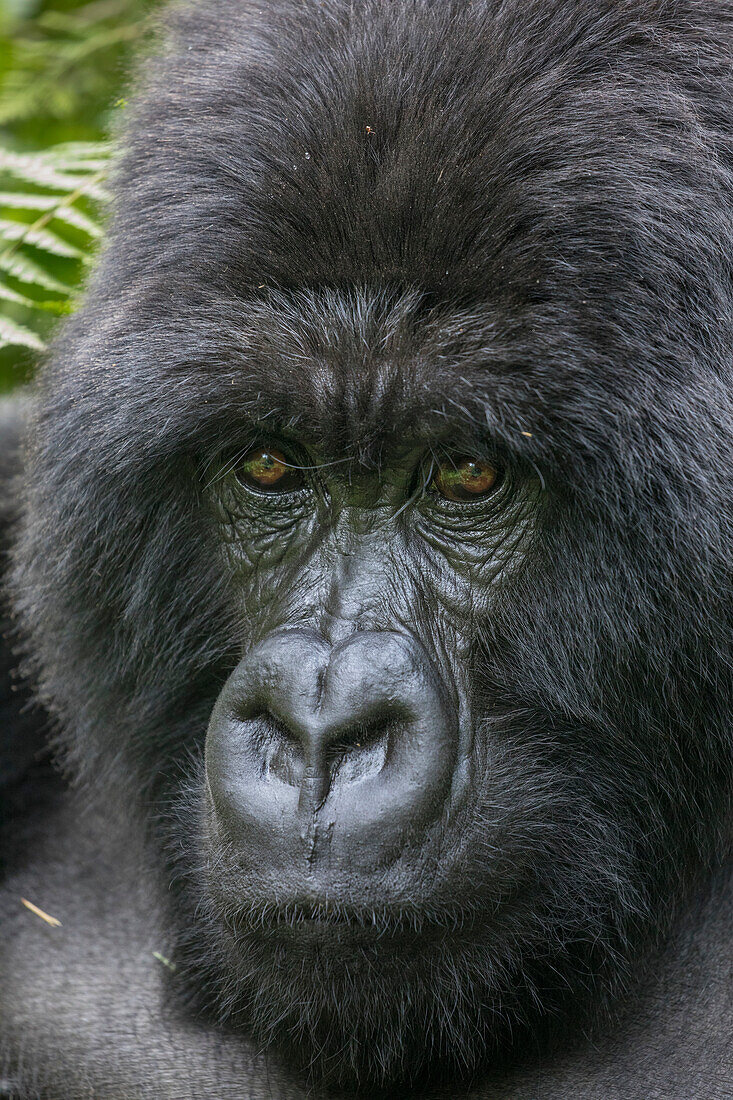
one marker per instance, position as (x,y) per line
(465,479)
(267,470)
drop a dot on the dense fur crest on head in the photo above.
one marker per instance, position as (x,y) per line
(510,216)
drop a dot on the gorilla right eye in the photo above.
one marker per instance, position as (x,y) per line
(465,479)
(267,470)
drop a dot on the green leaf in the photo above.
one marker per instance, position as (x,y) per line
(57,307)
(70,215)
(80,156)
(21,200)
(8,295)
(19,9)
(41,171)
(26,270)
(63,64)
(44,239)
(15,335)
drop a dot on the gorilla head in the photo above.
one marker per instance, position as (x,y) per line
(378,516)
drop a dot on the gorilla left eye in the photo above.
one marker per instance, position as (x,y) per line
(267,470)
(465,478)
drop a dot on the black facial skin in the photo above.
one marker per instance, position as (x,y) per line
(425,780)
(346,735)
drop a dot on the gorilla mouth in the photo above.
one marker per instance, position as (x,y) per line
(326,919)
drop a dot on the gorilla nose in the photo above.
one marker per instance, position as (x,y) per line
(346,749)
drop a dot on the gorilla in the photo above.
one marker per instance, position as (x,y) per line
(372,564)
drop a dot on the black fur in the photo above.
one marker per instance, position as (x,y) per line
(22,742)
(506,221)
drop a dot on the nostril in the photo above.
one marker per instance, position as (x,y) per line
(363,748)
(358,735)
(279,749)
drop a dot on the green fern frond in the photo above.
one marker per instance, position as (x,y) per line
(60,168)
(63,71)
(14,335)
(50,225)
(18,266)
(71,215)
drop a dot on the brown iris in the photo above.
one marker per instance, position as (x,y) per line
(465,479)
(268,471)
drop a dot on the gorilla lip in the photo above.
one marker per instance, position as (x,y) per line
(326,919)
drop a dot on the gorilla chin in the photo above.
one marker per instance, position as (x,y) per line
(356,1005)
(360,995)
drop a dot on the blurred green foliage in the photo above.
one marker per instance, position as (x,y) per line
(64,65)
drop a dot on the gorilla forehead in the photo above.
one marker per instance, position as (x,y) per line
(360,373)
(350,162)
(556,243)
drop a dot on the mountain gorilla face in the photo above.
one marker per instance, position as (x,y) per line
(424,811)
(358,776)
(347,741)
(378,516)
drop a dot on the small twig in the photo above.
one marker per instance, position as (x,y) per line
(40,913)
(166,962)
